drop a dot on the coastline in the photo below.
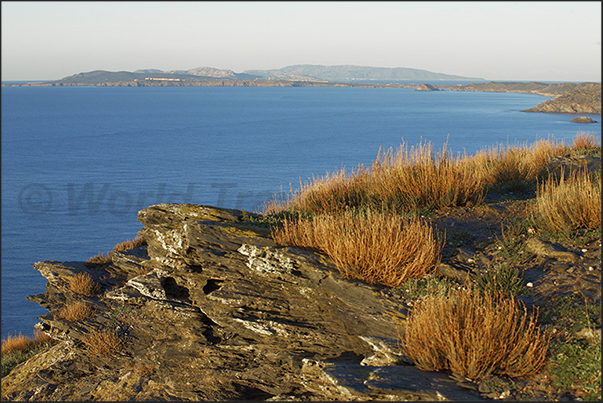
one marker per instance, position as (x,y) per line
(567,98)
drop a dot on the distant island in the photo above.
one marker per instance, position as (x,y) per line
(297,75)
(571,98)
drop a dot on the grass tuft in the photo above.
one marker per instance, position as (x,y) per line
(474,335)
(101,259)
(83,284)
(421,179)
(75,311)
(568,204)
(504,278)
(102,342)
(368,246)
(585,140)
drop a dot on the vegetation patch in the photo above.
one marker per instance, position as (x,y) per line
(424,287)
(504,278)
(368,246)
(83,284)
(567,205)
(17,349)
(75,311)
(577,365)
(103,342)
(474,335)
(101,259)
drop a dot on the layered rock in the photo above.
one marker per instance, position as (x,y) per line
(212,309)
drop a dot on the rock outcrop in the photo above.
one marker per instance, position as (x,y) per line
(583,119)
(584,98)
(212,309)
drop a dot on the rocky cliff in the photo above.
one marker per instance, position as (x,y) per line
(211,309)
(584,98)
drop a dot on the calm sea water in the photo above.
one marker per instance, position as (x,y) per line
(79,162)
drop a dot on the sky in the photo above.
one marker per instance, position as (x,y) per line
(523,41)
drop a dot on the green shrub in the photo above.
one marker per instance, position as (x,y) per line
(503,278)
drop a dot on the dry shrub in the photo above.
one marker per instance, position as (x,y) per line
(98,260)
(474,335)
(129,244)
(102,342)
(368,246)
(15,342)
(585,140)
(41,337)
(83,284)
(569,204)
(75,311)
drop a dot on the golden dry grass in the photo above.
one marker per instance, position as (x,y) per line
(330,194)
(101,258)
(75,311)
(474,335)
(516,162)
(98,260)
(585,140)
(368,246)
(83,284)
(102,342)
(22,343)
(16,342)
(568,204)
(418,178)
(422,178)
(129,244)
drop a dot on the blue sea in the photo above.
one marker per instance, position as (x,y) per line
(79,162)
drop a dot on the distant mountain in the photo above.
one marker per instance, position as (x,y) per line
(345,73)
(304,74)
(148,71)
(206,72)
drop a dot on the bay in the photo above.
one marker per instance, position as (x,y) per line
(79,162)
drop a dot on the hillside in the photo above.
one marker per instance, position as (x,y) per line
(547,90)
(584,98)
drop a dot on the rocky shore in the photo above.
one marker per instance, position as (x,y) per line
(569,98)
(584,98)
(210,308)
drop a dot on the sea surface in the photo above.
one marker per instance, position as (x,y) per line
(79,162)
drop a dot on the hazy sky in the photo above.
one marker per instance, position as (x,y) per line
(544,41)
